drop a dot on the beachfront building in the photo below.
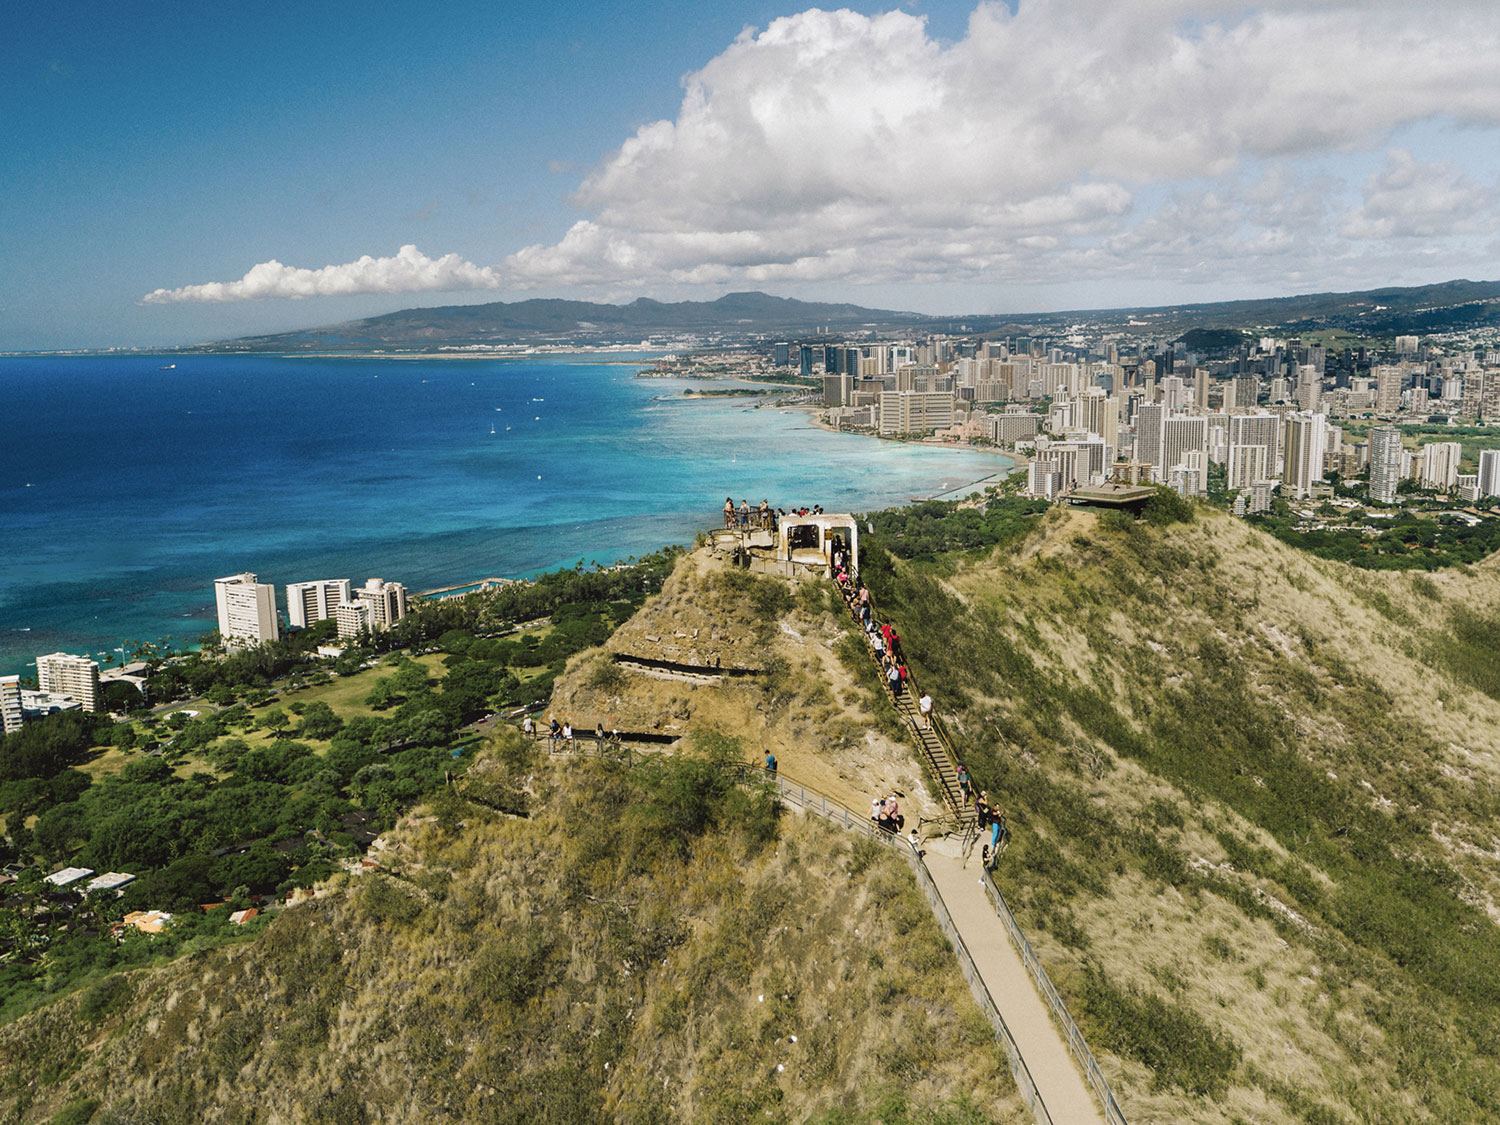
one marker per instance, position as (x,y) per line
(1012,426)
(376,605)
(247,610)
(61,674)
(310,602)
(10,704)
(915,412)
(353,619)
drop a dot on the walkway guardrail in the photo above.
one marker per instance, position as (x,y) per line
(811,800)
(818,804)
(1076,1042)
(945,770)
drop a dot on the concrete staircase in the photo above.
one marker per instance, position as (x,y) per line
(929,739)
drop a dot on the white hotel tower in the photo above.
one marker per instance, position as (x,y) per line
(247,609)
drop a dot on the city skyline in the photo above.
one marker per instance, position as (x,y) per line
(176,180)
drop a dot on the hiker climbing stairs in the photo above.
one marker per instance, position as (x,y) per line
(925,731)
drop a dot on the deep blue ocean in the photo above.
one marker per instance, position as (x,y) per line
(126,488)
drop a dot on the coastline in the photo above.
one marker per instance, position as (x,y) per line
(1019,461)
(603,472)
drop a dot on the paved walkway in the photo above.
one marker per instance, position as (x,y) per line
(1058,1079)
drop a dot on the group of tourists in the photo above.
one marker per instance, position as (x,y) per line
(993,819)
(884,641)
(764,518)
(885,645)
(885,812)
(560,734)
(744,517)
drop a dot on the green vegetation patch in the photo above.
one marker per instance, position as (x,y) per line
(652,944)
(288,770)
(1180,1047)
(1410,541)
(935,526)
(1127,644)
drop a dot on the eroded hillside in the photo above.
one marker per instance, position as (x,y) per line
(647,944)
(816,704)
(1254,797)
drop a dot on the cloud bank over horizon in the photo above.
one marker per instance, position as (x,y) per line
(408,271)
(1169,140)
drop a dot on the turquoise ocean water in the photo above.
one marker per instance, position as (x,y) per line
(127,486)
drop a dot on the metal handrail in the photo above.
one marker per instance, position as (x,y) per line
(1077,1044)
(952,799)
(812,801)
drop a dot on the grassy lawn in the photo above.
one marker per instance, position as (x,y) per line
(346,694)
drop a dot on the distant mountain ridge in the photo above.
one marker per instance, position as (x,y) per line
(553,320)
(741,316)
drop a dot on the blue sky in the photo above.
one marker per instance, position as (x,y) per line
(947,157)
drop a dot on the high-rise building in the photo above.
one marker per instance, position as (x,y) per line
(1148,430)
(783,355)
(1044,479)
(11,716)
(911,412)
(1489,398)
(1389,382)
(1011,427)
(805,358)
(1189,477)
(310,602)
(247,609)
(1489,472)
(1181,435)
(1385,463)
(1254,429)
(1246,465)
(385,602)
(1259,495)
(78,676)
(1305,437)
(353,618)
(1440,466)
(1471,398)
(1099,413)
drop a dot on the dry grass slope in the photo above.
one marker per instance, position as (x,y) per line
(647,946)
(1254,796)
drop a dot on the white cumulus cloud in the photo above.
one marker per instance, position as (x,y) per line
(1064,139)
(837,145)
(1411,198)
(408,271)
